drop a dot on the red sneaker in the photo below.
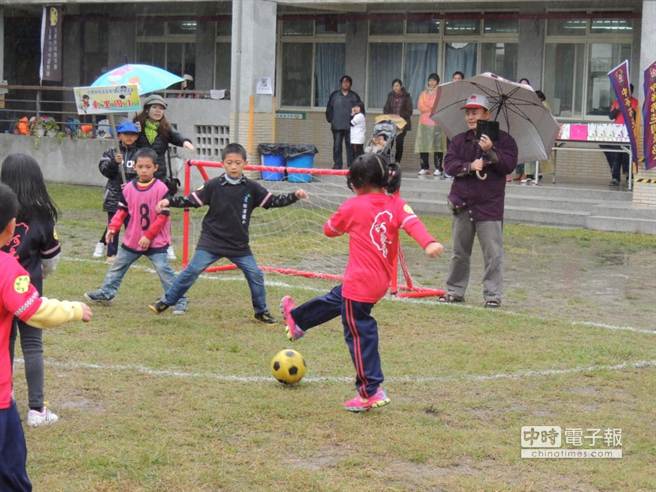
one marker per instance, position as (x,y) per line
(291,328)
(359,404)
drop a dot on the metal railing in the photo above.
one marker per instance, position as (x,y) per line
(51,111)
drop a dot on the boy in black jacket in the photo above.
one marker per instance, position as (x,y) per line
(231,198)
(117,165)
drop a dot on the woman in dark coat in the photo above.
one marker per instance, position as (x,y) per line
(399,102)
(157,133)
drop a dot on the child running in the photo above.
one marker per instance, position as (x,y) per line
(224,233)
(117,165)
(19,298)
(148,232)
(36,247)
(372,220)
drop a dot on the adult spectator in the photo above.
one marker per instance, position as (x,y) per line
(429,136)
(457,75)
(338,114)
(157,133)
(479,168)
(399,103)
(619,161)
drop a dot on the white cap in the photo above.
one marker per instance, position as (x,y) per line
(477,101)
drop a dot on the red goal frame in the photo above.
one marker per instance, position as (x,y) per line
(406,290)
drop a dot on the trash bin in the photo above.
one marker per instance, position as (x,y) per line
(300,156)
(273,154)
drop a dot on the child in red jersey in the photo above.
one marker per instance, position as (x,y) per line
(19,298)
(372,220)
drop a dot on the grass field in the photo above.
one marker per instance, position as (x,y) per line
(186,403)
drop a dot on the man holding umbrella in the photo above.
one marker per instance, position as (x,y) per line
(479,166)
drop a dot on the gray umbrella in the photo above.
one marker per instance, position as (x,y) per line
(515,106)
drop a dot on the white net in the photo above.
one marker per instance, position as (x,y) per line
(287,240)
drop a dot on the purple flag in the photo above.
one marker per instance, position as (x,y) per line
(619,80)
(649,116)
(51,44)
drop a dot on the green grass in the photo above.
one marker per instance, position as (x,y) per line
(126,427)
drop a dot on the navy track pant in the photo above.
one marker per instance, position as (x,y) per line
(13,452)
(360,333)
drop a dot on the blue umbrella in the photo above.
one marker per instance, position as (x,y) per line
(147,77)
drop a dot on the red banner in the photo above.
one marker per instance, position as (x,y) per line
(649,116)
(619,80)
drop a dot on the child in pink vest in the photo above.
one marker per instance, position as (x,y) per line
(148,232)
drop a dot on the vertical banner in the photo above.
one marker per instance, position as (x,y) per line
(649,116)
(51,44)
(619,80)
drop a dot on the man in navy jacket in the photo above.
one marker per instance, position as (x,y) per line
(338,114)
(479,168)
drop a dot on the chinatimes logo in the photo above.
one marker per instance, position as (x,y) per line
(555,442)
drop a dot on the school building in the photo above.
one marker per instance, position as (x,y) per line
(300,48)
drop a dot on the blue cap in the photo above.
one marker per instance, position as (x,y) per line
(127,127)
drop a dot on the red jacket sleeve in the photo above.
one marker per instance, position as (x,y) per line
(118,220)
(156,226)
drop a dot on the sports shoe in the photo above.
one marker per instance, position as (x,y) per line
(44,417)
(265,317)
(291,328)
(98,296)
(158,307)
(178,311)
(359,404)
(170,254)
(437,172)
(422,172)
(492,304)
(99,250)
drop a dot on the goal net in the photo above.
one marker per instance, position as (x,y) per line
(290,240)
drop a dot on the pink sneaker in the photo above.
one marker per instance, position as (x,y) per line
(359,404)
(292,330)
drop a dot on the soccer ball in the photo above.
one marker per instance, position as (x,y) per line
(288,366)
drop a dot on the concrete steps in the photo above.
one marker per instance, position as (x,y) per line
(555,205)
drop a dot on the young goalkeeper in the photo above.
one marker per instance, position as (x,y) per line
(372,220)
(148,231)
(224,233)
(19,298)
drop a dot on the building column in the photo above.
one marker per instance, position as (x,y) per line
(644,193)
(355,62)
(530,51)
(253,57)
(71,55)
(2,44)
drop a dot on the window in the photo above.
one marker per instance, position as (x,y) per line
(567,27)
(152,54)
(420,60)
(385,26)
(613,26)
(384,66)
(296,74)
(460,57)
(603,57)
(500,58)
(463,26)
(328,68)
(500,26)
(298,27)
(563,78)
(312,59)
(330,24)
(222,66)
(422,26)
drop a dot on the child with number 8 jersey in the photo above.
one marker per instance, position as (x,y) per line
(148,232)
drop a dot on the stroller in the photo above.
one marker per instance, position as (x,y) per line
(383,138)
